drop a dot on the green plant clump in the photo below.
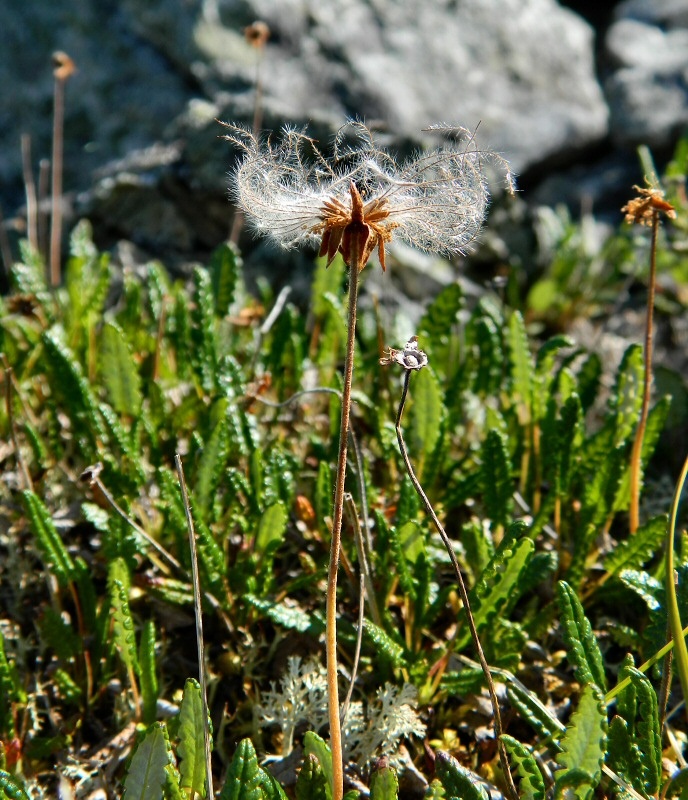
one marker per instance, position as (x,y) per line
(521,447)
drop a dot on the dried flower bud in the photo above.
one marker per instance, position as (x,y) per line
(91,474)
(64,66)
(641,209)
(257,34)
(411,357)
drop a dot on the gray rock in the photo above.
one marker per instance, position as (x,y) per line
(648,91)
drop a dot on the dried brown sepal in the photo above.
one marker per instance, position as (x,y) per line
(641,209)
(257,34)
(363,221)
(63,66)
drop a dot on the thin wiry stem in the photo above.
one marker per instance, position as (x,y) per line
(358,536)
(335,547)
(636,453)
(30,189)
(56,219)
(503,755)
(199,625)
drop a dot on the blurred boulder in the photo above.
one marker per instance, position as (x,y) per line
(144,155)
(647,91)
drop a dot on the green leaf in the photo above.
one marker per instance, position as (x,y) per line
(384,645)
(146,775)
(119,372)
(149,677)
(498,591)
(191,733)
(496,477)
(311,783)
(426,416)
(484,333)
(243,776)
(534,712)
(656,420)
(522,367)
(211,466)
(224,267)
(11,788)
(384,784)
(203,337)
(49,542)
(211,558)
(123,624)
(532,785)
(457,781)
(272,788)
(72,389)
(581,644)
(289,617)
(401,561)
(627,397)
(639,548)
(583,744)
(272,526)
(648,738)
(8,694)
(313,745)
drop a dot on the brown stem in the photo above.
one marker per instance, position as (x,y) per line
(503,755)
(634,514)
(331,606)
(30,189)
(56,220)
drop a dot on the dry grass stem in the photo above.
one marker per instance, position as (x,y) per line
(64,69)
(644,209)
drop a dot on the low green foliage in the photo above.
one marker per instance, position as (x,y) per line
(522,446)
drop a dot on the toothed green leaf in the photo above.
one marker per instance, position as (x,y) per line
(581,644)
(583,745)
(191,733)
(457,781)
(532,784)
(243,776)
(146,776)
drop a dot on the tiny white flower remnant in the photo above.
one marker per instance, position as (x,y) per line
(291,193)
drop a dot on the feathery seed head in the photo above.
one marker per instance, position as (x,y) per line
(354,202)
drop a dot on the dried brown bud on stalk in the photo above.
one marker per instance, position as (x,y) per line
(641,209)
(64,66)
(257,34)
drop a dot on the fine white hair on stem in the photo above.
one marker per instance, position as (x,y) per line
(436,200)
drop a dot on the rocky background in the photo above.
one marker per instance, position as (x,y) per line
(564,93)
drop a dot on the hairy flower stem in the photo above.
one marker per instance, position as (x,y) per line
(634,515)
(355,267)
(503,755)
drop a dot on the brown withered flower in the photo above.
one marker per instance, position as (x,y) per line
(640,210)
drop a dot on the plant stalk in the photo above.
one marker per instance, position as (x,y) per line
(198,608)
(56,193)
(335,546)
(503,755)
(634,513)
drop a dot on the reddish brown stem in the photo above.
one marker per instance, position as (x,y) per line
(636,453)
(335,547)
